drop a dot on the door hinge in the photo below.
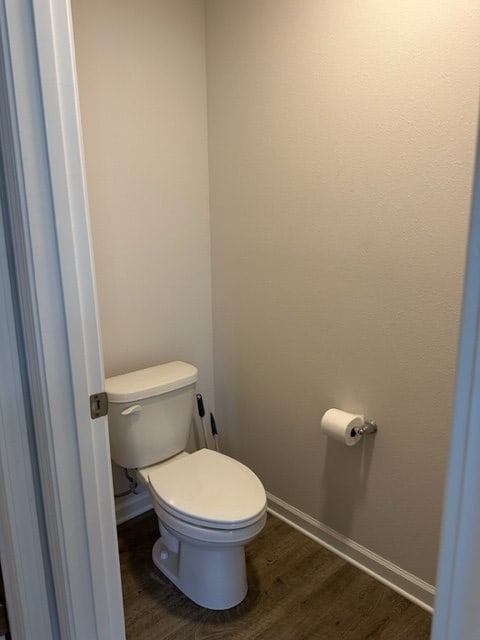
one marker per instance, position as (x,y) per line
(98,405)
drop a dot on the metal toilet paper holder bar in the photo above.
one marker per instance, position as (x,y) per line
(368,427)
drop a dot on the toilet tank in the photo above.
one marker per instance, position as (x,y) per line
(150,413)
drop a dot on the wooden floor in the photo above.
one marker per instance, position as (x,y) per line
(298,590)
(3,609)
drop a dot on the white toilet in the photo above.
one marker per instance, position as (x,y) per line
(208,505)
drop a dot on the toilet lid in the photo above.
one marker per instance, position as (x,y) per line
(209,488)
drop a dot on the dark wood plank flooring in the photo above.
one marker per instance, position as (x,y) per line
(3,609)
(298,591)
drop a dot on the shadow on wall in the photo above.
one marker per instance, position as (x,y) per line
(345,490)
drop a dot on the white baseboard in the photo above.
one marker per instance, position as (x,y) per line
(408,585)
(405,583)
(131,506)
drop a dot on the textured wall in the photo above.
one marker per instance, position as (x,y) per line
(341,146)
(141,70)
(341,141)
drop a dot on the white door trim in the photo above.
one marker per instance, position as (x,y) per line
(23,549)
(457,613)
(51,247)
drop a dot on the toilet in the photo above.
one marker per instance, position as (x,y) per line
(209,506)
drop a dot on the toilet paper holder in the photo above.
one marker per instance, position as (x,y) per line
(368,427)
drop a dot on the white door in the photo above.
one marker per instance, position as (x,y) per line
(55,457)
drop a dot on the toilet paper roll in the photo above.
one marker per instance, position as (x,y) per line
(339,425)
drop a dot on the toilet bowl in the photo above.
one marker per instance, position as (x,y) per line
(209,506)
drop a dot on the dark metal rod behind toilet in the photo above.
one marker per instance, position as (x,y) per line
(201,413)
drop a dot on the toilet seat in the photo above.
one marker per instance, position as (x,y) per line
(208,489)
(216,537)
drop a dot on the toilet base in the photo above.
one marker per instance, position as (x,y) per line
(214,578)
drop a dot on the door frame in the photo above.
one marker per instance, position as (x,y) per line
(58,347)
(62,348)
(457,614)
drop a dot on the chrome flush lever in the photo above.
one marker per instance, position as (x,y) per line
(134,408)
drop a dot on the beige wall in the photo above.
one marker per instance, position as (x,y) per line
(341,141)
(141,70)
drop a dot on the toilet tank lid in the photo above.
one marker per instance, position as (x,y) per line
(138,385)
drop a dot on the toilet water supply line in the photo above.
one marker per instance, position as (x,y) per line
(133,484)
(213,426)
